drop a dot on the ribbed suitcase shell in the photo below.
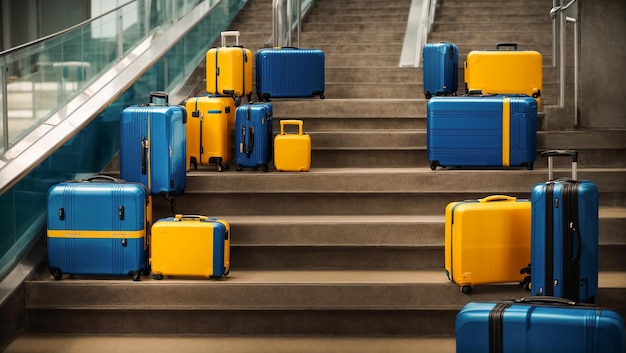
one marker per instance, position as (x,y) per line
(289,73)
(528,325)
(555,278)
(489,131)
(254,140)
(505,72)
(292,152)
(440,69)
(209,131)
(487,240)
(97,227)
(229,71)
(194,246)
(153,142)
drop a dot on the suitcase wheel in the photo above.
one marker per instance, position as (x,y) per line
(265,168)
(530,166)
(428,95)
(158,277)
(56,273)
(466,290)
(136,276)
(322,96)
(433,165)
(239,168)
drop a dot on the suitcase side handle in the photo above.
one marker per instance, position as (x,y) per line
(561,153)
(551,300)
(190,217)
(498,198)
(506,45)
(104,178)
(226,34)
(283,123)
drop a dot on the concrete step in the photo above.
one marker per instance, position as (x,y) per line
(522,25)
(313,39)
(491,38)
(390,303)
(366,191)
(370,26)
(76,343)
(343,17)
(379,74)
(496,10)
(355,60)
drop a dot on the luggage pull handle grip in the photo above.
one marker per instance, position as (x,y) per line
(507,44)
(284,123)
(497,198)
(561,153)
(144,154)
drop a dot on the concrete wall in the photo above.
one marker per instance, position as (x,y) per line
(602,63)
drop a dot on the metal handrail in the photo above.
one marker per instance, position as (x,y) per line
(559,10)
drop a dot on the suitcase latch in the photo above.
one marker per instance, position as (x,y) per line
(120,212)
(556,203)
(62,213)
(124,242)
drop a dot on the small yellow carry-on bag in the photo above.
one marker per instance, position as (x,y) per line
(292,152)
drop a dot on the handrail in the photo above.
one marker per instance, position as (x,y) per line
(419,25)
(559,10)
(64,31)
(284,21)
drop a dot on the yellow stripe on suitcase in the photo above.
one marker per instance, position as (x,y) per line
(506,131)
(96,234)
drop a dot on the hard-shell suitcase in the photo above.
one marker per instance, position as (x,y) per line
(292,152)
(209,131)
(481,131)
(289,73)
(440,69)
(229,69)
(97,226)
(505,71)
(487,240)
(254,136)
(153,146)
(564,235)
(538,324)
(190,245)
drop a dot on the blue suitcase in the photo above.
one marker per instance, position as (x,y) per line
(153,146)
(254,140)
(538,324)
(481,131)
(564,236)
(289,73)
(440,69)
(97,226)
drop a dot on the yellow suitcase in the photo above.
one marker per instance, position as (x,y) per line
(190,246)
(210,131)
(292,152)
(229,69)
(487,241)
(505,71)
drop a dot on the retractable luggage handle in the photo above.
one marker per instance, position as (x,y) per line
(190,217)
(561,153)
(161,95)
(227,34)
(551,300)
(508,44)
(283,123)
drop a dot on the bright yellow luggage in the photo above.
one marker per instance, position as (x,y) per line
(505,71)
(292,152)
(229,69)
(210,131)
(190,246)
(487,240)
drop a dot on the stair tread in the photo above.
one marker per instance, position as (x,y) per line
(38,343)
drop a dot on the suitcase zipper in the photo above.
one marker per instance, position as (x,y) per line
(549,240)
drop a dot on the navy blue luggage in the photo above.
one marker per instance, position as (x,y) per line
(97,226)
(481,131)
(289,73)
(254,140)
(153,146)
(538,324)
(440,69)
(564,236)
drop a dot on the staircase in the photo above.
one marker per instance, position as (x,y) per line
(348,256)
